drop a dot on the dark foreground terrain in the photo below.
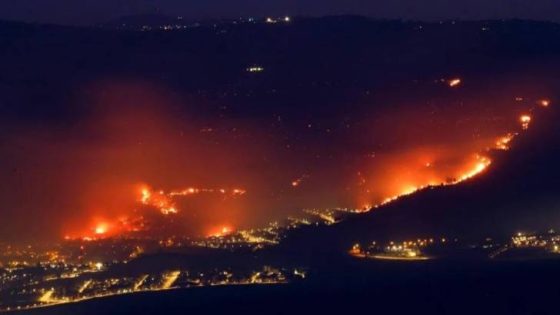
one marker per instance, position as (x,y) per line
(431,287)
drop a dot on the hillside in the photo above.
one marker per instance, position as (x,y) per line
(517,193)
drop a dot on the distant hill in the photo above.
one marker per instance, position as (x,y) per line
(519,192)
(138,21)
(302,58)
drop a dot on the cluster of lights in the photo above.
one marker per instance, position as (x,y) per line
(407,250)
(255,69)
(86,289)
(271,20)
(328,216)
(524,240)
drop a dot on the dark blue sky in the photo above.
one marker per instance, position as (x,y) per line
(95,11)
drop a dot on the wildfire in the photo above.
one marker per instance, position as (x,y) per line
(480,164)
(101,229)
(411,171)
(221,231)
(145,195)
(503,142)
(193,191)
(158,200)
(479,167)
(165,201)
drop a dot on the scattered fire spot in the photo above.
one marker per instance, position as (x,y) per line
(101,229)
(454,82)
(298,181)
(525,120)
(544,102)
(503,142)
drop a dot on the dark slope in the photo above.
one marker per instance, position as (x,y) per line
(518,192)
(381,289)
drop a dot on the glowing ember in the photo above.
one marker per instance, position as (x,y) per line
(298,181)
(525,120)
(544,103)
(145,195)
(454,82)
(238,192)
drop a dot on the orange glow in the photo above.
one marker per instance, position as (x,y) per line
(145,195)
(418,151)
(479,165)
(408,190)
(476,165)
(221,231)
(101,229)
(157,200)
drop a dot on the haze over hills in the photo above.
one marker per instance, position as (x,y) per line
(81,77)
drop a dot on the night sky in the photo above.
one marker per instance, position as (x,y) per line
(98,11)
